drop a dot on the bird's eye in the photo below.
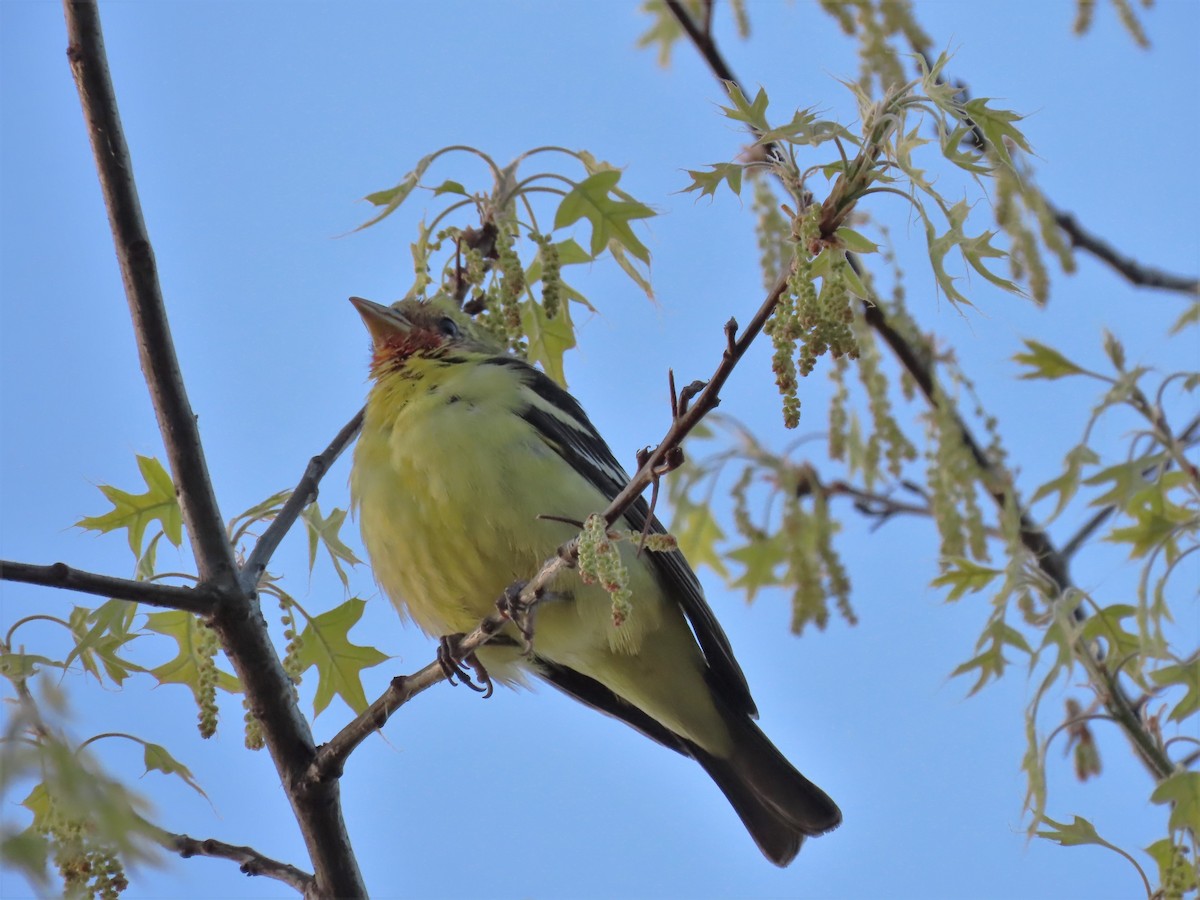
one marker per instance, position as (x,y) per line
(448,327)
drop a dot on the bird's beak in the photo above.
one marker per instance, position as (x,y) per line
(383,322)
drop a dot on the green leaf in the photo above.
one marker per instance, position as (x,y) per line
(722,173)
(1156,517)
(855,242)
(1105,625)
(99,634)
(450,187)
(1190,316)
(753,114)
(157,759)
(698,534)
(184,628)
(996,125)
(1067,484)
(324,531)
(1182,791)
(1077,834)
(391,198)
(1185,675)
(963,576)
(665,31)
(609,217)
(630,268)
(1046,362)
(759,559)
(549,339)
(325,643)
(136,511)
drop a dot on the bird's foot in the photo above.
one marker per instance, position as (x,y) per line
(447,657)
(519,612)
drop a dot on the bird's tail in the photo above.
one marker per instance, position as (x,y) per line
(778,805)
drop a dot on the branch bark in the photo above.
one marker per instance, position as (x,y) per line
(248,859)
(236,616)
(199,600)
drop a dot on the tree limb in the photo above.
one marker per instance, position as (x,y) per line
(176,421)
(248,859)
(304,493)
(199,600)
(237,617)
(1133,271)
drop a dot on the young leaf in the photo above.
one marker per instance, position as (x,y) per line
(136,511)
(1182,791)
(996,125)
(157,759)
(323,530)
(184,628)
(549,339)
(325,643)
(1046,362)
(609,217)
(963,576)
(708,182)
(1185,675)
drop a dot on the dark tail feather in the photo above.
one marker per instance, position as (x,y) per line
(778,805)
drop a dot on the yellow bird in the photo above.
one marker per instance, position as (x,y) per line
(470,469)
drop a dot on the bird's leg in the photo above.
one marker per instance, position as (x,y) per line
(447,657)
(519,612)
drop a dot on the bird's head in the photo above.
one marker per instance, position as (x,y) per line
(415,328)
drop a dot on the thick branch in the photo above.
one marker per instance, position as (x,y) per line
(304,493)
(249,860)
(176,421)
(331,757)
(995,479)
(198,600)
(236,617)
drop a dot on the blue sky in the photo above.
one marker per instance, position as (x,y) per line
(255,127)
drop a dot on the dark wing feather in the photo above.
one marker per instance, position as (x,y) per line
(588,454)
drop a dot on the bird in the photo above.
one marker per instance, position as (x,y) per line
(471,469)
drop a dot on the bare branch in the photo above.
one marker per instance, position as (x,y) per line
(198,600)
(248,859)
(176,421)
(1133,271)
(304,493)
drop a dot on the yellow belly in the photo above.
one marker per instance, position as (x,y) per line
(449,485)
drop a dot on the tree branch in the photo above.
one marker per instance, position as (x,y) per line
(176,421)
(1133,271)
(331,758)
(248,859)
(199,600)
(995,480)
(304,493)
(237,617)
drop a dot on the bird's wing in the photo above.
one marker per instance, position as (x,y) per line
(561,422)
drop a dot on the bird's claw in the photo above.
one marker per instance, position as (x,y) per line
(447,657)
(519,612)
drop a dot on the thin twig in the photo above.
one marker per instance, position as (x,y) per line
(176,421)
(331,757)
(995,479)
(304,493)
(199,600)
(249,860)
